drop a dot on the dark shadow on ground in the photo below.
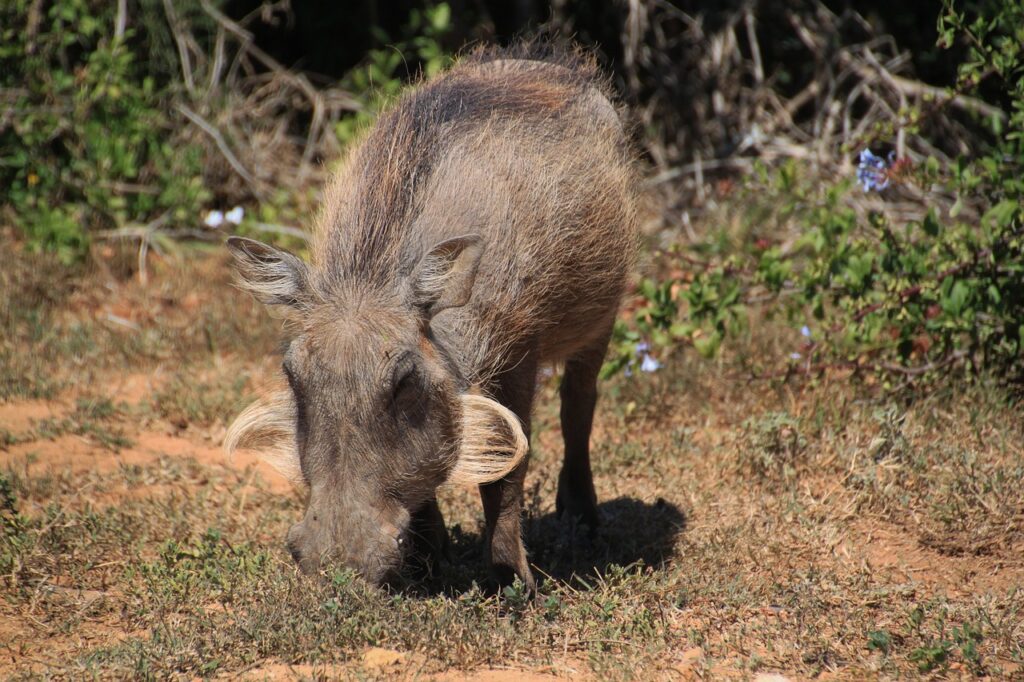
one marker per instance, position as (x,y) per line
(631,531)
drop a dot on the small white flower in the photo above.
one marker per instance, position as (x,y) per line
(649,364)
(214,219)
(805,331)
(794,356)
(235,215)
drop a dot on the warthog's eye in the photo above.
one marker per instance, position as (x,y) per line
(407,389)
(405,385)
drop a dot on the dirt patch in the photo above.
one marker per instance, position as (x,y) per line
(78,455)
(213,455)
(20,417)
(503,675)
(889,548)
(26,646)
(136,388)
(284,671)
(386,664)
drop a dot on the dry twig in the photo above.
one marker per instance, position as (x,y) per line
(729,108)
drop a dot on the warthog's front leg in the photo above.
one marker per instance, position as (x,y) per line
(503,500)
(429,536)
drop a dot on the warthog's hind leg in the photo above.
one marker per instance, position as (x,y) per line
(576,501)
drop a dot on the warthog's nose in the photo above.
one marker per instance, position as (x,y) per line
(294,544)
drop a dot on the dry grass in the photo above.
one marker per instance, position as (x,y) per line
(811,529)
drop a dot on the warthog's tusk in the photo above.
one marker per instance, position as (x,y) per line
(493,442)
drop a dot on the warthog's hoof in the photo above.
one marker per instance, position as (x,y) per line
(578,508)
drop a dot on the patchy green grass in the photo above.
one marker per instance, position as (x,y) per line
(92,418)
(67,327)
(187,400)
(801,528)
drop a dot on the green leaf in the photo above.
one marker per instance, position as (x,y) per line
(682,330)
(930,224)
(441,16)
(707,345)
(956,208)
(1003,213)
(953,303)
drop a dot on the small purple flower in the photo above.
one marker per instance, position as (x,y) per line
(649,364)
(805,331)
(872,171)
(795,356)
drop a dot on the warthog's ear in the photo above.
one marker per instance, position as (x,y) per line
(444,276)
(493,442)
(273,276)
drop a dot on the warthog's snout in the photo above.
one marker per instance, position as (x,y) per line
(374,549)
(295,541)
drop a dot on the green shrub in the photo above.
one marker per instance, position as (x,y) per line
(86,141)
(13,536)
(870,291)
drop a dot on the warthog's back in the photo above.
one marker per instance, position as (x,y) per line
(527,153)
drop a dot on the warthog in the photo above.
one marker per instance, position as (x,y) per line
(482,229)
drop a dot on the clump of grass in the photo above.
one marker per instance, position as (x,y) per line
(183,401)
(12,528)
(32,286)
(8,438)
(974,506)
(932,643)
(187,313)
(890,442)
(92,418)
(774,445)
(266,612)
(957,491)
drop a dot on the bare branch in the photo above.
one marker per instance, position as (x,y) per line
(755,48)
(222,145)
(179,40)
(122,19)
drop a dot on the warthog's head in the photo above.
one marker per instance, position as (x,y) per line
(376,415)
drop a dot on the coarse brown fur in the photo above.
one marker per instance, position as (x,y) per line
(522,151)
